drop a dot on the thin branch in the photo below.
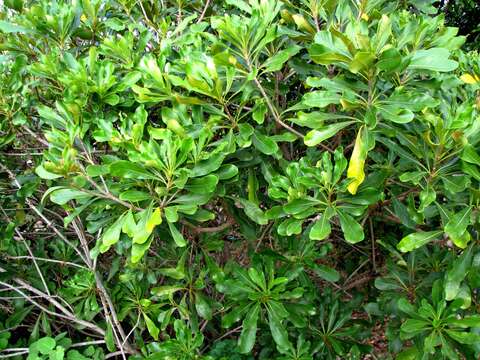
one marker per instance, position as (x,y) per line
(238,328)
(61,262)
(212,229)
(35,136)
(14,349)
(132,330)
(111,355)
(108,307)
(44,219)
(44,283)
(372,238)
(14,354)
(273,111)
(108,195)
(202,15)
(88,343)
(66,314)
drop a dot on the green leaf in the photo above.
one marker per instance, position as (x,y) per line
(457,226)
(405,306)
(315,137)
(44,174)
(402,212)
(205,184)
(258,113)
(264,143)
(134,195)
(203,307)
(178,272)
(386,284)
(389,60)
(457,273)
(258,278)
(57,354)
(252,211)
(249,330)
(328,49)
(314,119)
(109,338)
(434,59)
(8,27)
(427,196)
(464,337)
(226,171)
(112,234)
(465,322)
(465,295)
(62,196)
(397,115)
(470,155)
(149,219)
(298,206)
(416,240)
(177,236)
(279,333)
(242,5)
(152,328)
(130,170)
(321,228)
(139,250)
(208,166)
(291,226)
(43,346)
(362,60)
(166,290)
(352,230)
(276,62)
(326,273)
(129,225)
(413,327)
(411,353)
(97,170)
(153,220)
(321,98)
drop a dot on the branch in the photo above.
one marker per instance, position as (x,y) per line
(202,15)
(61,262)
(44,219)
(14,354)
(213,229)
(35,136)
(44,283)
(273,111)
(66,314)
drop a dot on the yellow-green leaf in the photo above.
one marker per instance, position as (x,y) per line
(155,219)
(470,79)
(357,162)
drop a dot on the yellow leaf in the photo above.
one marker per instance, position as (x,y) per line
(155,219)
(357,162)
(232,60)
(303,24)
(470,79)
(83,18)
(175,126)
(365,17)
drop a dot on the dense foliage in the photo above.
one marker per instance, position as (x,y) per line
(237,179)
(465,14)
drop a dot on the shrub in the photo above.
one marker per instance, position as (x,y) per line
(237,180)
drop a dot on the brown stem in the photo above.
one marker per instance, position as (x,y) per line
(202,15)
(213,229)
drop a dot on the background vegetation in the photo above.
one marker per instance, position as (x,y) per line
(231,179)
